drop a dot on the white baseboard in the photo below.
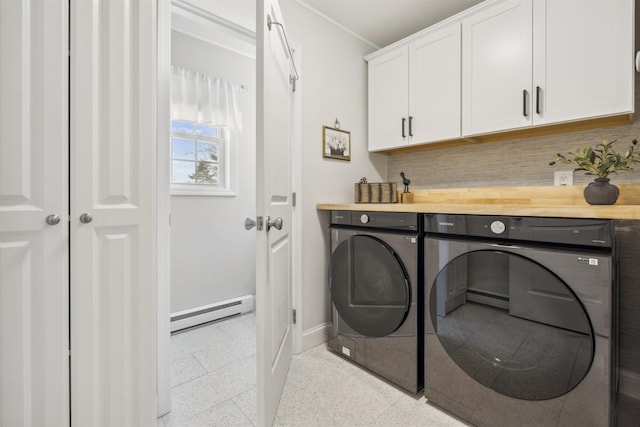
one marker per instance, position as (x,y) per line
(629,383)
(209,313)
(315,336)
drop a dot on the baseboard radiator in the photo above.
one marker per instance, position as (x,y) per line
(209,313)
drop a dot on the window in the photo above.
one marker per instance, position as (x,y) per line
(201,159)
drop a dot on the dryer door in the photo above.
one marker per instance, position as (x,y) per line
(518,329)
(369,286)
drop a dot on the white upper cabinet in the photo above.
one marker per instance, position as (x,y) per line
(388,99)
(538,62)
(582,59)
(496,68)
(414,91)
(434,85)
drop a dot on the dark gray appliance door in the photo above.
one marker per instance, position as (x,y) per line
(539,351)
(369,286)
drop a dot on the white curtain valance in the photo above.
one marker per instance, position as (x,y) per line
(203,99)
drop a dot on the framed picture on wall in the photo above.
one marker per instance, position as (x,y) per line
(336,143)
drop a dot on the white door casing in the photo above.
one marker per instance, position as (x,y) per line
(273,200)
(34,358)
(113,152)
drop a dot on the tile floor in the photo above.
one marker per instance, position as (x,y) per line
(213,384)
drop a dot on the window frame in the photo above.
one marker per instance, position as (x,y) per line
(227,163)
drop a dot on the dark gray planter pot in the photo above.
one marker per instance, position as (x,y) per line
(600,192)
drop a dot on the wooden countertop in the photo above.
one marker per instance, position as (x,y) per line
(519,201)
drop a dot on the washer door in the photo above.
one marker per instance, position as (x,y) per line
(511,324)
(369,286)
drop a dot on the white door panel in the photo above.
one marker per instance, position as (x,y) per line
(113,297)
(34,367)
(582,73)
(389,100)
(497,68)
(274,247)
(434,85)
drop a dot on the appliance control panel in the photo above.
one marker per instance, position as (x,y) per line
(569,231)
(370,219)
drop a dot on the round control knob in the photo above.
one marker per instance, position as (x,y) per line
(498,227)
(364,218)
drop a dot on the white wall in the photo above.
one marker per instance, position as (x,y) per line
(212,256)
(333,82)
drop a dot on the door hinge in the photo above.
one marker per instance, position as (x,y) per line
(293,199)
(294,316)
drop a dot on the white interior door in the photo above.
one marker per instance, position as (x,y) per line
(34,358)
(112,216)
(274,192)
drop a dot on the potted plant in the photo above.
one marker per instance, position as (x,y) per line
(601,161)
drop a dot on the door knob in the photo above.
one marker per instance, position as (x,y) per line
(275,223)
(249,223)
(86,218)
(52,219)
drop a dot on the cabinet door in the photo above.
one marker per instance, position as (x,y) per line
(34,287)
(113,140)
(434,85)
(388,100)
(496,68)
(583,58)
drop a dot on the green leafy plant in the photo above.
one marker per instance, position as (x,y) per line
(601,160)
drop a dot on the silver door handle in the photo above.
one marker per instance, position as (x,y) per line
(86,218)
(249,223)
(275,223)
(52,219)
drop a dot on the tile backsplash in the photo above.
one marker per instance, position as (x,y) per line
(520,162)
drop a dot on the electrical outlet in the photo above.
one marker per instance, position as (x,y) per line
(563,178)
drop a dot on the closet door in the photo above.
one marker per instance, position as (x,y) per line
(113,140)
(34,352)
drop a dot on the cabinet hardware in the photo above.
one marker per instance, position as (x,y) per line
(524,103)
(538,100)
(403,122)
(410,121)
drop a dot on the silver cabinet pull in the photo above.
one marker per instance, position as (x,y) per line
(275,223)
(52,219)
(86,218)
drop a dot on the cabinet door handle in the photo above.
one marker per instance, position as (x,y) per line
(538,90)
(403,122)
(524,103)
(410,120)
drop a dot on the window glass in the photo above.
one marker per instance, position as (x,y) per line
(208,151)
(182,172)
(183,149)
(201,159)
